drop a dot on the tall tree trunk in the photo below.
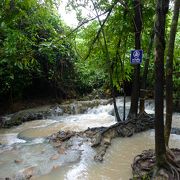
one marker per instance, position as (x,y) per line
(108,62)
(161,11)
(145,73)
(169,71)
(114,98)
(135,87)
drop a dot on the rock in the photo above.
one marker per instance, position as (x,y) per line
(97,140)
(43,151)
(75,107)
(175,131)
(26,173)
(54,157)
(107,141)
(80,143)
(162,175)
(23,116)
(61,136)
(57,111)
(55,167)
(56,144)
(17,161)
(61,150)
(1,121)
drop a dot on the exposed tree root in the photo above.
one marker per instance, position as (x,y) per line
(121,129)
(101,137)
(144,166)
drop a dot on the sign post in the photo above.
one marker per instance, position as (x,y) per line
(136,56)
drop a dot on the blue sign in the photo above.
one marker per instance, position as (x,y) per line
(136,56)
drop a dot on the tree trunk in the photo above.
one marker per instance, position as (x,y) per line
(108,62)
(160,149)
(114,98)
(169,72)
(135,87)
(145,73)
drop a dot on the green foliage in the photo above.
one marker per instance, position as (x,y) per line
(119,32)
(176,74)
(176,59)
(89,77)
(32,46)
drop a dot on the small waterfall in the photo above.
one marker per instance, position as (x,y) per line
(101,109)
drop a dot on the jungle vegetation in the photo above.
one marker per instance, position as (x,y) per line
(40,56)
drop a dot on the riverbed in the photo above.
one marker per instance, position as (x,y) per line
(26,146)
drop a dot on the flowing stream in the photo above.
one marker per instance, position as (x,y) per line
(25,146)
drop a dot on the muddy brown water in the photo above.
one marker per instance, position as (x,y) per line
(34,151)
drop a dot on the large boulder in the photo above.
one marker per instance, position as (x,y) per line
(22,116)
(25,115)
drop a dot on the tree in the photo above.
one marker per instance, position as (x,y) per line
(145,73)
(136,80)
(34,49)
(169,71)
(117,40)
(160,149)
(119,32)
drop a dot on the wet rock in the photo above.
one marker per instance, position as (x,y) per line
(23,116)
(76,107)
(96,140)
(61,150)
(80,143)
(1,121)
(26,173)
(55,167)
(43,151)
(57,111)
(61,136)
(91,132)
(56,144)
(6,178)
(99,157)
(54,157)
(175,131)
(107,141)
(17,161)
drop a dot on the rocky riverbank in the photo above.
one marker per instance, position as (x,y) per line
(76,107)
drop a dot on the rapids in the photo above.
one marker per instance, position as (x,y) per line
(26,146)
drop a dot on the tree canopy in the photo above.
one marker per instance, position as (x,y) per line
(37,47)
(33,48)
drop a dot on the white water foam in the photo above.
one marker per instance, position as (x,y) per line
(79,171)
(9,139)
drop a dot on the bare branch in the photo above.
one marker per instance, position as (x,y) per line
(101,28)
(85,21)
